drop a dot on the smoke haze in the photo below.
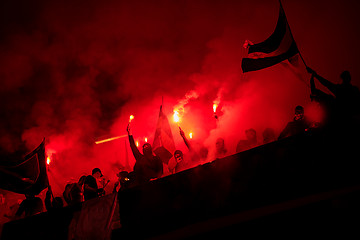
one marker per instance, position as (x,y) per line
(73,72)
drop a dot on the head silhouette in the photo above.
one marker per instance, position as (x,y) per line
(147,149)
(178,155)
(250,134)
(299,113)
(96,173)
(220,145)
(346,77)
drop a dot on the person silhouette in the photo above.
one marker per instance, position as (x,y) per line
(249,142)
(298,125)
(221,151)
(347,95)
(147,165)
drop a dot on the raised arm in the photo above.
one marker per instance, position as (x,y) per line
(133,147)
(186,141)
(329,85)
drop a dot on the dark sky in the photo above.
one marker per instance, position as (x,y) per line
(73,71)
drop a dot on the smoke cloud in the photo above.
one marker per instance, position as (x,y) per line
(73,73)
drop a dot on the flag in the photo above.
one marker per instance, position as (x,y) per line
(94,221)
(163,144)
(278,47)
(28,175)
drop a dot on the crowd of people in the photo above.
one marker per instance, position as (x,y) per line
(344,102)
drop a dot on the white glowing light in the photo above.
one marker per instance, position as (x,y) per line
(214,107)
(131,118)
(176,117)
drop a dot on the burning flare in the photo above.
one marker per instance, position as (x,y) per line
(214,107)
(176,116)
(191,135)
(146,139)
(48,160)
(131,118)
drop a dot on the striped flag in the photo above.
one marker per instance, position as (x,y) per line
(163,144)
(278,47)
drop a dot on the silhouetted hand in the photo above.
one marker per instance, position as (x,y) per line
(128,129)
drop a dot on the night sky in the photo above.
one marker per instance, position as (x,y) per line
(74,71)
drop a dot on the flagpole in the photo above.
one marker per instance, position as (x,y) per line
(292,34)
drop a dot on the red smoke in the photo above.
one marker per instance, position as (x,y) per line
(73,72)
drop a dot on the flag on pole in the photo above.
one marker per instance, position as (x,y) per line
(28,175)
(278,47)
(94,221)
(163,144)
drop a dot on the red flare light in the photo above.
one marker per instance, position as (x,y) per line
(131,118)
(48,160)
(214,107)
(146,139)
(191,135)
(137,143)
(176,117)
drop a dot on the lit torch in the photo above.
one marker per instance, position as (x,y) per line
(131,118)
(176,117)
(214,109)
(191,135)
(146,139)
(48,160)
(137,143)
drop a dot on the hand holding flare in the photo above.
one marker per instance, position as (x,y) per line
(214,109)
(128,126)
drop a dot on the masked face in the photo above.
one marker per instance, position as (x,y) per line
(178,157)
(299,115)
(147,150)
